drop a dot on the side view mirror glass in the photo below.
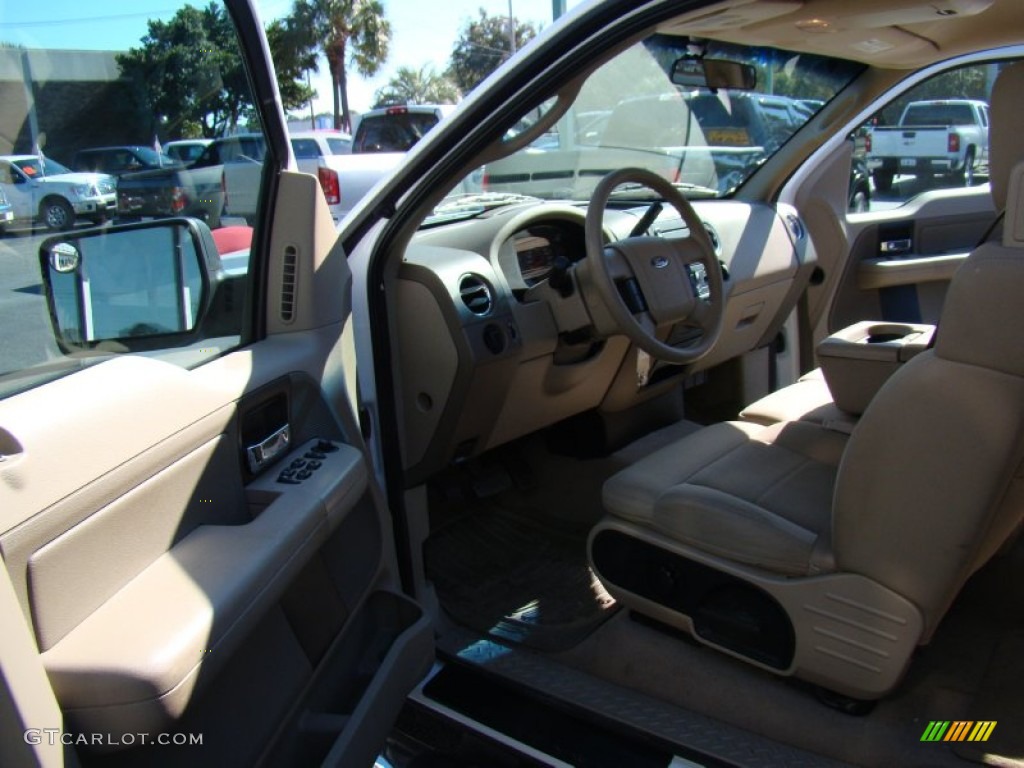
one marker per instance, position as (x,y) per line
(138,284)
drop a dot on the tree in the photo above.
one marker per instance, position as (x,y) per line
(188,72)
(418,86)
(348,32)
(294,55)
(482,45)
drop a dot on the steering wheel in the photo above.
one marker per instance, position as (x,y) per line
(644,282)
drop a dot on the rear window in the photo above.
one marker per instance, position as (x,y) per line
(339,146)
(305,148)
(939,114)
(393,132)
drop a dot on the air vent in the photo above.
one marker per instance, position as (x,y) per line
(796,227)
(476,294)
(289,268)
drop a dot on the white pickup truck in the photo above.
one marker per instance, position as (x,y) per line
(947,136)
(42,190)
(381,140)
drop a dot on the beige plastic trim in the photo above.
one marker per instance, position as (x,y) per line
(303,232)
(852,634)
(134,664)
(26,699)
(1013,227)
(204,486)
(873,274)
(855,367)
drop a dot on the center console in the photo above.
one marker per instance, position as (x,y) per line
(857,360)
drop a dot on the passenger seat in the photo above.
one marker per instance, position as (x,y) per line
(809,399)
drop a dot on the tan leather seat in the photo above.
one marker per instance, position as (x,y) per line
(829,557)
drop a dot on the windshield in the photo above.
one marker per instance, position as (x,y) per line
(630,113)
(153,158)
(34,167)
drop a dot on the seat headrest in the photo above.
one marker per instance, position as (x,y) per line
(1006,130)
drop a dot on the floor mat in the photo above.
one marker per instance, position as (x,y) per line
(998,701)
(505,573)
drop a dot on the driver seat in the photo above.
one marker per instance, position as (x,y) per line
(831,556)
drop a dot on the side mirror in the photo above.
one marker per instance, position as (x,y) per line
(130,288)
(692,72)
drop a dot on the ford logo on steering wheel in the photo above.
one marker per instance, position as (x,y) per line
(659,262)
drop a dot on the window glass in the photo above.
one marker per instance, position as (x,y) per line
(934,136)
(641,109)
(126,280)
(394,131)
(305,148)
(339,146)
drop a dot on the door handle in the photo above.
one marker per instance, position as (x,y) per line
(265,451)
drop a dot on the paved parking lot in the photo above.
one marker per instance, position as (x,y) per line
(23,314)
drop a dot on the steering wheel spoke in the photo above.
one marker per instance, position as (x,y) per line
(659,273)
(704,316)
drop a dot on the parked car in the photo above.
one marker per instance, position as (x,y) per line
(118,161)
(241,176)
(320,143)
(41,189)
(503,480)
(346,173)
(186,150)
(943,136)
(702,138)
(6,211)
(396,128)
(860,185)
(195,190)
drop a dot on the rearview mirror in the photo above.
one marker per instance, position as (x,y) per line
(691,72)
(141,285)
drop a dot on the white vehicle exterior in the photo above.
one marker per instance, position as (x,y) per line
(44,190)
(942,136)
(186,150)
(241,176)
(345,176)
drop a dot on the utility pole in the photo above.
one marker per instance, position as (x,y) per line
(511,29)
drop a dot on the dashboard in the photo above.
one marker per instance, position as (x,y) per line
(496,333)
(542,247)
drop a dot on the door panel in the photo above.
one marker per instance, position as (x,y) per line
(901,261)
(199,562)
(147,572)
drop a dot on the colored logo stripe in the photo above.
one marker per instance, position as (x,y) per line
(958,730)
(982,730)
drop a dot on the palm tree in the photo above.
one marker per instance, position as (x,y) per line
(417,86)
(347,32)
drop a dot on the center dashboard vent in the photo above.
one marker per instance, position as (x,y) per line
(476,294)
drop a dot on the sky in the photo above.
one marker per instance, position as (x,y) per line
(423,31)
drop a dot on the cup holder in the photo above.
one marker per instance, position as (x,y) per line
(886,332)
